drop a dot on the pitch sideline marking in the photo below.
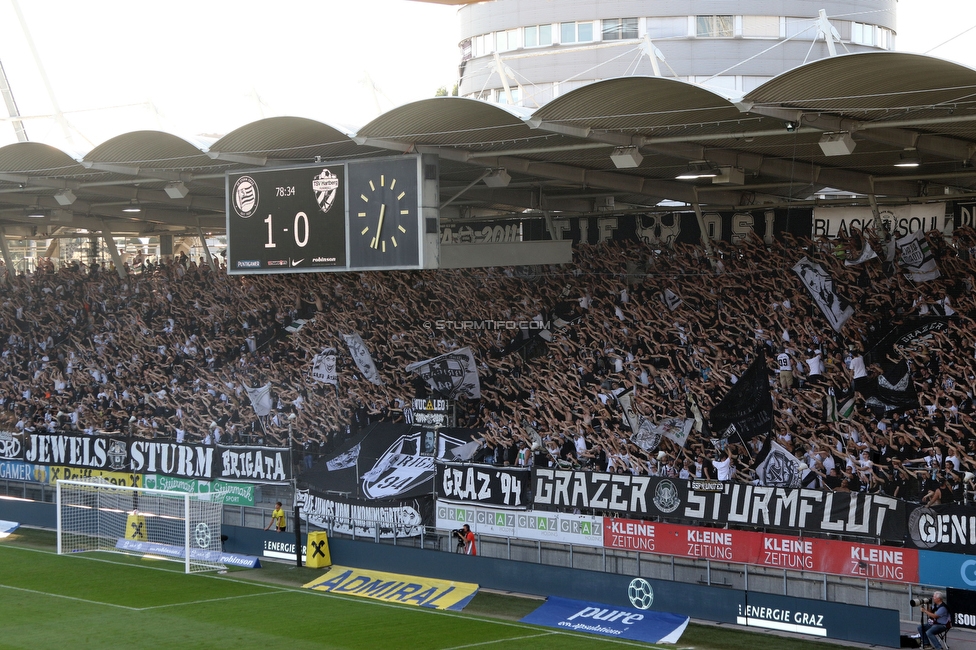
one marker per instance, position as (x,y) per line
(207,600)
(355,599)
(511,638)
(82,600)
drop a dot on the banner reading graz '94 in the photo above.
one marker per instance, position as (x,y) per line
(494,487)
(228,463)
(814,511)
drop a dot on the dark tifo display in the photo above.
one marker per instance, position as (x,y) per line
(326,217)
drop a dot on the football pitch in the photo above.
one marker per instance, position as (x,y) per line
(107,600)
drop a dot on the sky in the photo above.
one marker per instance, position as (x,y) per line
(205,67)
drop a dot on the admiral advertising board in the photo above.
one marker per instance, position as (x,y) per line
(813,511)
(871,561)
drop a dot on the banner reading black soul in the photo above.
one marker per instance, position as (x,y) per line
(269,465)
(813,511)
(484,485)
(962,604)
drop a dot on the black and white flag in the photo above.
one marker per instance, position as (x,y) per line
(867,253)
(746,410)
(324,367)
(892,391)
(362,358)
(260,398)
(916,257)
(671,299)
(818,282)
(776,467)
(450,375)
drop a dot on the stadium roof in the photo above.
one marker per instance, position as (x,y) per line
(888,106)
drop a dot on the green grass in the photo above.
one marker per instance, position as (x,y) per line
(101,600)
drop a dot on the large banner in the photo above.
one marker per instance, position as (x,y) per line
(269,465)
(897,219)
(361,518)
(387,461)
(764,549)
(11,445)
(495,487)
(947,528)
(563,528)
(813,511)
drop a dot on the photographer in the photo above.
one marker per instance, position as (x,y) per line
(938,619)
(468,536)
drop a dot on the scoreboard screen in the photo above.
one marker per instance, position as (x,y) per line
(359,215)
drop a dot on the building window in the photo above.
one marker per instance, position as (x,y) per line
(576,32)
(667,27)
(806,27)
(618,29)
(714,26)
(862,34)
(760,26)
(537,35)
(507,40)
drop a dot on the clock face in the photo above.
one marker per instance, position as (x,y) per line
(384,219)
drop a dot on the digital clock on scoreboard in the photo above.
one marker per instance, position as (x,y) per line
(287,220)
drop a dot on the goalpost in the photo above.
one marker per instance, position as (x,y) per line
(95,515)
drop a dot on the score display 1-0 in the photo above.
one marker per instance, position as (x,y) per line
(287,220)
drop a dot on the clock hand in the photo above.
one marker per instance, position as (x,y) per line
(379,227)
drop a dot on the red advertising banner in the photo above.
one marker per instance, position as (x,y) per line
(761,549)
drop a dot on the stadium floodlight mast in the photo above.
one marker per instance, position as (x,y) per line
(96,515)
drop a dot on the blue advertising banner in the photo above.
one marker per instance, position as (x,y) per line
(947,569)
(16,470)
(617,622)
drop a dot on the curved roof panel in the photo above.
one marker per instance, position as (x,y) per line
(452,122)
(873,85)
(148,148)
(640,104)
(288,138)
(36,158)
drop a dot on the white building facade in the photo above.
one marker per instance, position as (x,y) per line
(528,52)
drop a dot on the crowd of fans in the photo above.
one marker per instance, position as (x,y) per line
(167,350)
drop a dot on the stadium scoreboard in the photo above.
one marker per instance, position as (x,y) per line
(344,216)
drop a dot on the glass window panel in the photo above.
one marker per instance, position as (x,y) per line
(567,32)
(760,26)
(714,26)
(805,27)
(611,29)
(667,27)
(585,32)
(531,36)
(629,28)
(545,34)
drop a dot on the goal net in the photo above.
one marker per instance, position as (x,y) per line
(99,516)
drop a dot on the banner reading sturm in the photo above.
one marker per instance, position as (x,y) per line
(140,456)
(485,485)
(814,511)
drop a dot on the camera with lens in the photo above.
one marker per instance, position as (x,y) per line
(918,602)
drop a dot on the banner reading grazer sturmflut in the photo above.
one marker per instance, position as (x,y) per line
(485,485)
(815,511)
